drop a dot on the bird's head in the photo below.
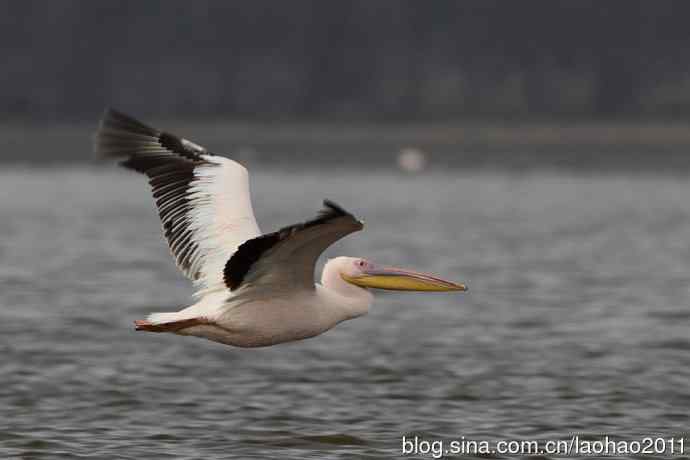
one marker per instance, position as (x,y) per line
(364,273)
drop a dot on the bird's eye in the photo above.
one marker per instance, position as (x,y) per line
(361,263)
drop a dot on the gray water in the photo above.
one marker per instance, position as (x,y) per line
(576,321)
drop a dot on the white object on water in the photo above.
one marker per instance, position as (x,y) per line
(412,160)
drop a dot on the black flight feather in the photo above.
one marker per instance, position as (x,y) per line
(169,162)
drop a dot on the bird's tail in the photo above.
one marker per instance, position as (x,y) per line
(160,318)
(167,322)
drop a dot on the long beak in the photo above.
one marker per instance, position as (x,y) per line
(397,279)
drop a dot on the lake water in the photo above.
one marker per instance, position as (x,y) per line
(576,322)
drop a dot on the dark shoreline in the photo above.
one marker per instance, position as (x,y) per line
(654,147)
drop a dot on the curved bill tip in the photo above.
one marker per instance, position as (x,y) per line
(397,279)
(462,287)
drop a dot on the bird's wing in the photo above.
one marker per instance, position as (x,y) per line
(203,199)
(285,260)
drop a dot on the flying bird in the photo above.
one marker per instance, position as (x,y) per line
(253,289)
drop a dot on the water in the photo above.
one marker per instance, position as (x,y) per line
(576,321)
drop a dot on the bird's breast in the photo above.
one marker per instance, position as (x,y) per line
(269,322)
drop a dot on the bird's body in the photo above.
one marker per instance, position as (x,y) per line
(253,289)
(276,318)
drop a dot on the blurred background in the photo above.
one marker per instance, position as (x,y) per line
(536,150)
(568,85)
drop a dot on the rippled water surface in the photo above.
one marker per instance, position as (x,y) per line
(577,320)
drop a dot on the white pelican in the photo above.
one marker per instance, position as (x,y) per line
(253,289)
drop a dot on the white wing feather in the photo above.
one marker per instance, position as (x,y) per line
(203,200)
(221,218)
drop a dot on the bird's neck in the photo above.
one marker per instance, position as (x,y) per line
(347,300)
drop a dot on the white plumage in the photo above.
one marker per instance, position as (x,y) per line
(253,289)
(221,217)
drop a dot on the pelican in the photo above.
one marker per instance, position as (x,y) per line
(253,289)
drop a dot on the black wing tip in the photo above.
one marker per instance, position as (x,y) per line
(119,134)
(119,121)
(333,210)
(110,113)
